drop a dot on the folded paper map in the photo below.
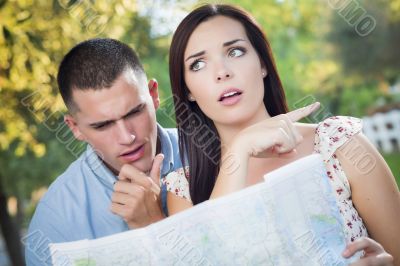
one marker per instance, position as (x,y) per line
(290,219)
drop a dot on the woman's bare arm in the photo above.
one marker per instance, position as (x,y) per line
(374,192)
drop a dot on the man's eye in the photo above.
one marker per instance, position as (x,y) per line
(101,126)
(133,113)
(197,65)
(236,52)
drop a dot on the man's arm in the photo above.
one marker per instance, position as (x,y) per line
(43,230)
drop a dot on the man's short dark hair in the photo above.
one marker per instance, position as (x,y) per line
(94,64)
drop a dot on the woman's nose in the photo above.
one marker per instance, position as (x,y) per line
(223,76)
(223,72)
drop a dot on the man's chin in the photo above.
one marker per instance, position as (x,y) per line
(142,166)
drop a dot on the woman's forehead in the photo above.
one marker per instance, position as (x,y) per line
(217,30)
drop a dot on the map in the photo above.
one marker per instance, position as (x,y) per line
(290,219)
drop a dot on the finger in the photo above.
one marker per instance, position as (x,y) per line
(283,142)
(287,155)
(298,114)
(156,168)
(131,211)
(382,259)
(117,209)
(133,175)
(129,173)
(367,244)
(290,128)
(121,198)
(126,213)
(281,122)
(132,189)
(128,199)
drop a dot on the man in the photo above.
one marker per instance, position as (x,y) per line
(112,187)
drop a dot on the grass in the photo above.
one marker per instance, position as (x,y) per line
(393,160)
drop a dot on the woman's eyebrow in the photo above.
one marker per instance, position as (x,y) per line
(196,55)
(232,42)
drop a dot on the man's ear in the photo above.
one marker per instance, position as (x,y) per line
(153,89)
(71,123)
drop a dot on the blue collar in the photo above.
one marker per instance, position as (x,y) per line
(166,149)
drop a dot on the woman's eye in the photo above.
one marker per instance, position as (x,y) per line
(197,65)
(236,52)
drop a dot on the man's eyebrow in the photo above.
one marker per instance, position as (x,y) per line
(133,110)
(100,123)
(232,42)
(224,45)
(196,55)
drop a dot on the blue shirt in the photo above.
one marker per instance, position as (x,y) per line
(77,204)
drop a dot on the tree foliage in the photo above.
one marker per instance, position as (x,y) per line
(374,55)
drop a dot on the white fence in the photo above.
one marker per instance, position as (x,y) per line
(383,129)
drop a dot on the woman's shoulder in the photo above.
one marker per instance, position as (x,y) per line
(177,183)
(334,132)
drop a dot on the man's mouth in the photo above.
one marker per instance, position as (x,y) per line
(133,155)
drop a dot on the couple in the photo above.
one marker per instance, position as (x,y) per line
(222,71)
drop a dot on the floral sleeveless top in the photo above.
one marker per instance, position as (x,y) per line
(330,135)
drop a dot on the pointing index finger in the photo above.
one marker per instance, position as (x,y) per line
(300,113)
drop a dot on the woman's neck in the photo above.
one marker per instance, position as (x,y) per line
(227,132)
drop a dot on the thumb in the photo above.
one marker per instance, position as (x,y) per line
(156,168)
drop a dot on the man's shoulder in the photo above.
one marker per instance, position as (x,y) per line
(169,139)
(170,149)
(68,178)
(71,184)
(172,133)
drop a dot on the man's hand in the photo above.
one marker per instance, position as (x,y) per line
(136,196)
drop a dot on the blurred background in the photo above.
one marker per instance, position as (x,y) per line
(343,53)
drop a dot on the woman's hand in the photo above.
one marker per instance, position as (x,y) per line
(272,137)
(374,254)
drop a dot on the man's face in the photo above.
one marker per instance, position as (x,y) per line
(119,122)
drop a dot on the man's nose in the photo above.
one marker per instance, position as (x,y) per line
(126,135)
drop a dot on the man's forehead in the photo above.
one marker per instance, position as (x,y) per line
(110,103)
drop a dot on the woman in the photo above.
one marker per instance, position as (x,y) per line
(223,74)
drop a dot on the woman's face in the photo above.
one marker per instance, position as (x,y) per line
(224,73)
